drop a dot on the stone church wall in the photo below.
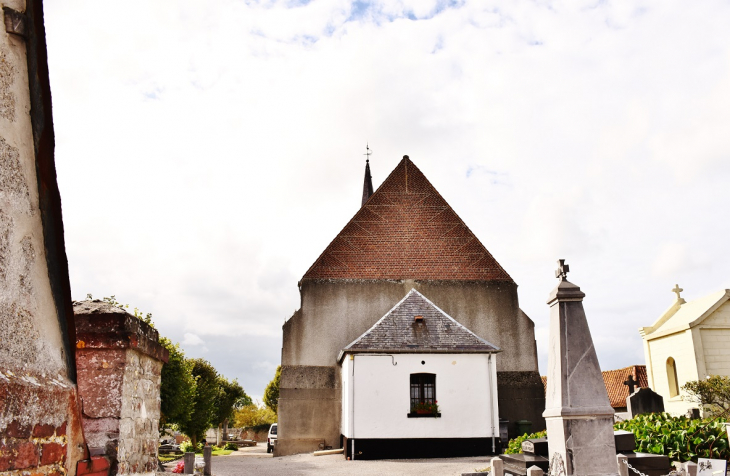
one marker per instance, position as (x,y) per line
(40,430)
(334,313)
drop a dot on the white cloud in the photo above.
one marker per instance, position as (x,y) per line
(207,152)
(192,340)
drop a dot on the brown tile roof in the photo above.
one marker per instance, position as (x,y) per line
(614,382)
(399,332)
(406,230)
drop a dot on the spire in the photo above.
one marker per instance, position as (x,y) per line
(367,188)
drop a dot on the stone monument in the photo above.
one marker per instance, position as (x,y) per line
(644,400)
(578,414)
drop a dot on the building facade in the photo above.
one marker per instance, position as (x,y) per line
(688,342)
(404,237)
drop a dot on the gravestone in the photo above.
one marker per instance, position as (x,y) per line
(578,414)
(644,400)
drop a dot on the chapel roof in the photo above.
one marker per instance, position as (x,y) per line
(683,315)
(399,331)
(406,230)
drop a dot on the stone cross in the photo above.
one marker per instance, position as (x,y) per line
(631,383)
(562,271)
(677,290)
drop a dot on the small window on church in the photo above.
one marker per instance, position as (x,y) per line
(672,377)
(423,392)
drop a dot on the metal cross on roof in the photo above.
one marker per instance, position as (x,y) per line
(677,290)
(562,270)
(631,383)
(367,153)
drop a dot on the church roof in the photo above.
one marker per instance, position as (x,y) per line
(416,325)
(684,315)
(406,230)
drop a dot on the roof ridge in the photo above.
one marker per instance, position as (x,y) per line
(478,344)
(417,235)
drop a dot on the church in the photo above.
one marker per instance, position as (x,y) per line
(407,284)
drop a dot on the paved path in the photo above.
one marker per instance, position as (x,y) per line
(255,461)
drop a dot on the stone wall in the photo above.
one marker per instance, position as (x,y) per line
(40,428)
(119,361)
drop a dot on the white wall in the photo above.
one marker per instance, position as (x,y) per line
(379,392)
(680,347)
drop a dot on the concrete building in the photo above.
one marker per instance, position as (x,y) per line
(405,236)
(688,342)
(419,363)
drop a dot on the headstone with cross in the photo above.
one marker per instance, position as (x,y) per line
(631,383)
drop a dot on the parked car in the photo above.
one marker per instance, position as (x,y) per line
(271,440)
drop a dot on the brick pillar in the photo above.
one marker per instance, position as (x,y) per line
(118,360)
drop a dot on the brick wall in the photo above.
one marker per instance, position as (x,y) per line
(119,360)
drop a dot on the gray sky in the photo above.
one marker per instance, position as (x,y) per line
(208,151)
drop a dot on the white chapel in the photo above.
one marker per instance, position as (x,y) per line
(690,341)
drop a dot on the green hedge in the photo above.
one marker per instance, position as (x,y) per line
(680,438)
(515,444)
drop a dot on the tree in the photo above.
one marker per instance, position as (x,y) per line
(177,387)
(713,393)
(204,402)
(271,394)
(254,414)
(230,396)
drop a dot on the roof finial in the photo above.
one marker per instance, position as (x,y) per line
(367,188)
(562,271)
(677,290)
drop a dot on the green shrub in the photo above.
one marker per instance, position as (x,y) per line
(231,446)
(515,444)
(680,438)
(187,446)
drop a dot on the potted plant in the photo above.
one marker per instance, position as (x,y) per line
(426,408)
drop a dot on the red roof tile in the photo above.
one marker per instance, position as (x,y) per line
(406,230)
(614,382)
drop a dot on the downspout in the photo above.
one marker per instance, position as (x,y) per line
(352,409)
(491,400)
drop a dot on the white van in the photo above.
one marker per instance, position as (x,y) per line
(271,440)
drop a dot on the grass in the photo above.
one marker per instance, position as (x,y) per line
(168,458)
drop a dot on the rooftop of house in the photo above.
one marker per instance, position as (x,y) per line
(406,230)
(416,325)
(614,382)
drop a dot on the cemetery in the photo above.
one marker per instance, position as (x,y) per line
(409,344)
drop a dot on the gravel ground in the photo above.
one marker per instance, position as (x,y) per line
(256,461)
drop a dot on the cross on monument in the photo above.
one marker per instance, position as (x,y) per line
(367,152)
(677,290)
(631,383)
(562,270)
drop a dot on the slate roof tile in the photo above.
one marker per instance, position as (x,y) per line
(398,331)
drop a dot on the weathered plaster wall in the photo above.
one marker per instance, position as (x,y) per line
(119,362)
(334,313)
(40,430)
